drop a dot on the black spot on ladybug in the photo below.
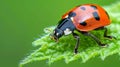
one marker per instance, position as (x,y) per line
(96,16)
(83,23)
(72,14)
(83,8)
(94,7)
(107,15)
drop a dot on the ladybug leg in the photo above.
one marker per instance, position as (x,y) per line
(76,36)
(105,34)
(100,28)
(95,38)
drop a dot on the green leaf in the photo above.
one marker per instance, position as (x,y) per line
(63,50)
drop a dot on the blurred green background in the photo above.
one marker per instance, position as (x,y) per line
(22,21)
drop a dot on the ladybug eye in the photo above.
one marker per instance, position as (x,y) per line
(57,34)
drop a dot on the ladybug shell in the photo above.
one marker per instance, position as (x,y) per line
(88,17)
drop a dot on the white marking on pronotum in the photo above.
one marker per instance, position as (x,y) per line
(71,18)
(67,31)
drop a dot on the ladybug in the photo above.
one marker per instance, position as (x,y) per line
(83,18)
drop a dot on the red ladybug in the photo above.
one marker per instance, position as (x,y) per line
(83,18)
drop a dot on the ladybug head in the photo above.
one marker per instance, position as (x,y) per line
(65,27)
(57,34)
